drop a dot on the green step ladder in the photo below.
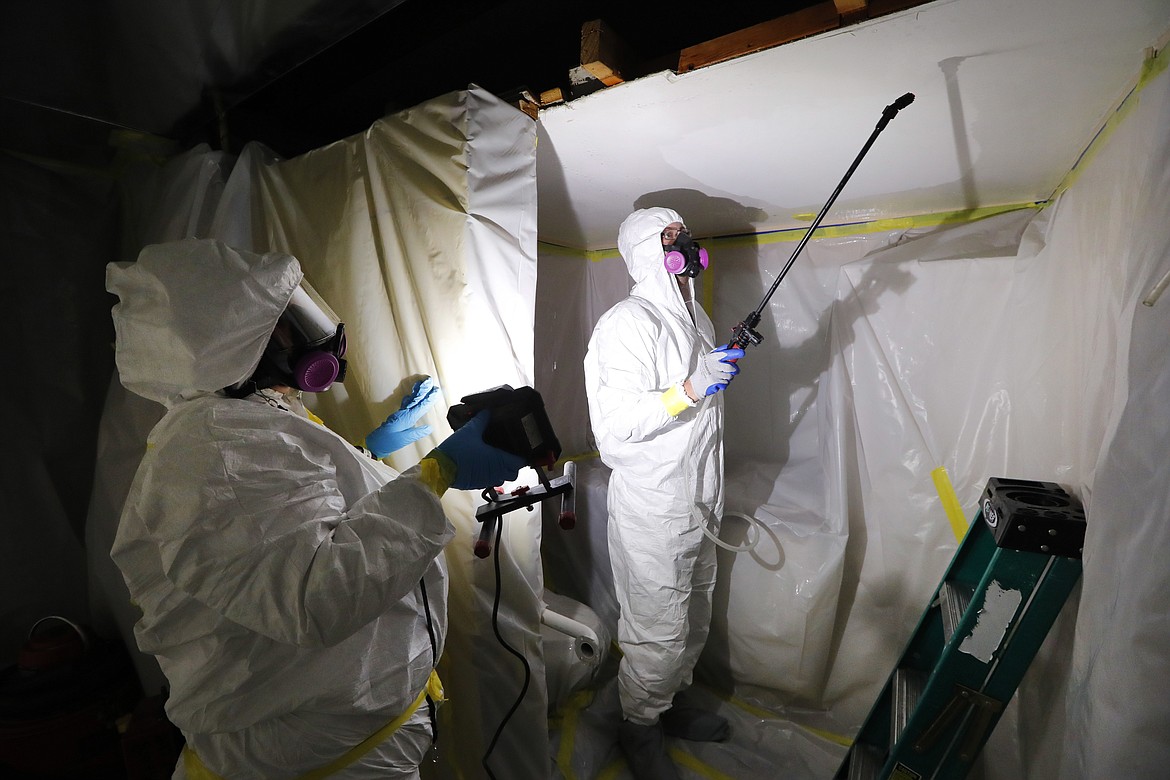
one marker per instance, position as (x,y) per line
(1001,593)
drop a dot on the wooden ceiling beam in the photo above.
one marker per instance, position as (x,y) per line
(606,60)
(852,11)
(603,54)
(765,35)
(819,18)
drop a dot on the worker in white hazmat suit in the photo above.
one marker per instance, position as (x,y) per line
(291,586)
(653,378)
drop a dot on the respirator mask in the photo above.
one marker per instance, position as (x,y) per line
(684,257)
(308,344)
(306,349)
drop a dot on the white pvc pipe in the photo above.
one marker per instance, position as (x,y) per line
(587,644)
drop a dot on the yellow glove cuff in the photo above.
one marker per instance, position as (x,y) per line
(437,471)
(675,400)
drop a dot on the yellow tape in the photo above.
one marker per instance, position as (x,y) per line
(572,712)
(766,714)
(675,400)
(197,770)
(581,456)
(950,502)
(437,471)
(679,757)
(683,758)
(872,226)
(433,688)
(827,735)
(613,770)
(1152,67)
(763,714)
(824,231)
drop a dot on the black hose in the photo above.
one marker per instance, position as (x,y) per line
(499,637)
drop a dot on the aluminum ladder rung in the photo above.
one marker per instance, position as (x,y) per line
(954,598)
(908,685)
(864,762)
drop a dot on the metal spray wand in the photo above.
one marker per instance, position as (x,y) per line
(744,333)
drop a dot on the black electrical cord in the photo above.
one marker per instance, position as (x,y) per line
(431,709)
(498,530)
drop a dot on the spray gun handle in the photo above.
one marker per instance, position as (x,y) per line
(744,334)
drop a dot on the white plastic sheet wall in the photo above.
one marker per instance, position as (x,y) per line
(1010,346)
(420,233)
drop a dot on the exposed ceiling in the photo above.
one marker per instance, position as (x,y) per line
(1008,96)
(1008,93)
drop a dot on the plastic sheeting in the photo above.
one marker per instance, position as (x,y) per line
(159,203)
(1118,692)
(58,227)
(420,233)
(136,64)
(1009,346)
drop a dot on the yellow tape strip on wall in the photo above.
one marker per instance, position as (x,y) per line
(1155,63)
(825,231)
(950,502)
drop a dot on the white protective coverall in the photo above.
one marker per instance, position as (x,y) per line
(667,470)
(278,568)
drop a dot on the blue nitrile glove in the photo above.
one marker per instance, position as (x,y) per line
(399,428)
(479,465)
(714,370)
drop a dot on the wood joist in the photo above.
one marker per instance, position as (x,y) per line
(607,60)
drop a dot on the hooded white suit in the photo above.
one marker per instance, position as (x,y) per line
(667,470)
(278,569)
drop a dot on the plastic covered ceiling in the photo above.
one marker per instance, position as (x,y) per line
(1009,94)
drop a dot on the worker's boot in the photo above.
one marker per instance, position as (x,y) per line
(695,724)
(645,750)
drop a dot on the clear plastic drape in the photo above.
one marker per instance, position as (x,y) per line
(420,233)
(1117,694)
(1014,346)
